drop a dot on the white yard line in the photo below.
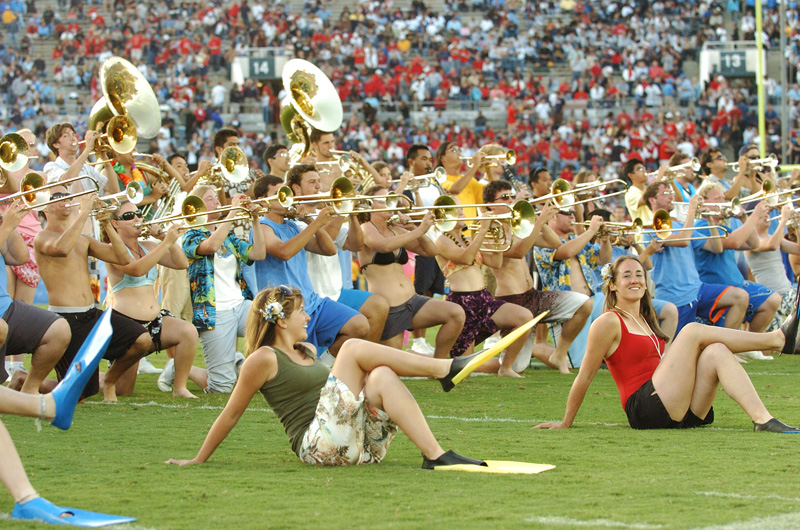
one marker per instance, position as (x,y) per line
(593,523)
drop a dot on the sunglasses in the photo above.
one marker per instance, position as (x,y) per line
(59,195)
(129,216)
(284,291)
(505,197)
(721,157)
(567,212)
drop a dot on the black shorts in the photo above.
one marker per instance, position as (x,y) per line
(428,276)
(646,411)
(126,331)
(27,324)
(154,327)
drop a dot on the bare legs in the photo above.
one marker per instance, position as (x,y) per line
(699,359)
(141,347)
(508,317)
(375,309)
(736,301)
(570,330)
(183,336)
(375,368)
(668,320)
(765,313)
(449,315)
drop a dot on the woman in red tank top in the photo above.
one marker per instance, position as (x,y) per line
(672,387)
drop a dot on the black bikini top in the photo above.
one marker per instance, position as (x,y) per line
(387,258)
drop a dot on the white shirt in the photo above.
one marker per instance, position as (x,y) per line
(54,170)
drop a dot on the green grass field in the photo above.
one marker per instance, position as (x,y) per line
(607,475)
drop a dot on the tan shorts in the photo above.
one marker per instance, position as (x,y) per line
(346,430)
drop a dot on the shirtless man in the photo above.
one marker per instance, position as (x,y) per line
(515,283)
(62,252)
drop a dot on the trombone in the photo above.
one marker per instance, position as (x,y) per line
(661,228)
(133,193)
(195,214)
(232,166)
(392,201)
(36,194)
(672,171)
(342,195)
(722,209)
(561,194)
(14,152)
(445,214)
(285,198)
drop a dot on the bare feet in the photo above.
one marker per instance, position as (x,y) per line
(183,394)
(508,372)
(109,392)
(560,361)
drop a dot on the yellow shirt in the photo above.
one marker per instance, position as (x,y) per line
(632,197)
(471,194)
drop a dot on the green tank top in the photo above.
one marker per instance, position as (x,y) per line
(294,394)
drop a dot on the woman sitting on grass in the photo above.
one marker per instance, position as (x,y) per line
(675,388)
(346,416)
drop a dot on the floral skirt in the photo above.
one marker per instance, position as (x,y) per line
(346,430)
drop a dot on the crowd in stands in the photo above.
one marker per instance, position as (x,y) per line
(541,64)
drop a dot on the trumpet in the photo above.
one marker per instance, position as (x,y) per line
(435,178)
(661,228)
(770,161)
(14,153)
(36,194)
(672,171)
(510,157)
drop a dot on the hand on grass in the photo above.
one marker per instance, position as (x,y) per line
(550,425)
(181,462)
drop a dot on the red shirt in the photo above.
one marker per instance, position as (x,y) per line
(634,361)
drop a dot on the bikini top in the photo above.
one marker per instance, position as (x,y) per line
(136,281)
(387,258)
(451,267)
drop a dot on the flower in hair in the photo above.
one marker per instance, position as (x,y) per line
(605,272)
(273,311)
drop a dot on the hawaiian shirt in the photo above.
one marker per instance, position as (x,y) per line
(201,274)
(555,274)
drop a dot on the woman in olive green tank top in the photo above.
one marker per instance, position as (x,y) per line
(360,402)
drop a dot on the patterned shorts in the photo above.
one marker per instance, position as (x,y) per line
(479,306)
(27,272)
(346,430)
(785,309)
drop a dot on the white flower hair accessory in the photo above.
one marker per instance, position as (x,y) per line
(605,272)
(274,307)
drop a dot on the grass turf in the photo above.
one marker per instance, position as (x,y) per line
(607,474)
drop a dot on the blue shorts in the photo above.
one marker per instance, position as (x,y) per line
(715,316)
(326,321)
(704,308)
(353,298)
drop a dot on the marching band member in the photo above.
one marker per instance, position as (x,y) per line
(134,297)
(220,294)
(285,263)
(540,181)
(22,279)
(276,156)
(569,267)
(62,251)
(382,263)
(29,328)
(428,277)
(464,186)
(122,166)
(716,262)
(767,266)
(460,260)
(674,273)
(63,142)
(635,171)
(714,165)
(569,309)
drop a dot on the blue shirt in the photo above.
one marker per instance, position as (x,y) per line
(716,268)
(272,271)
(674,272)
(5,299)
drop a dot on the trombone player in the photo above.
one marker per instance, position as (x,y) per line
(716,260)
(674,272)
(69,163)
